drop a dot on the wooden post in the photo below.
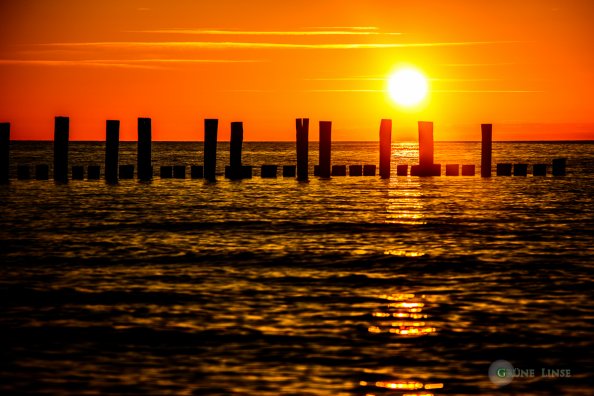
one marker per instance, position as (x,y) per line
(289,171)
(126,171)
(196,171)
(385,148)
(78,172)
(325,148)
(539,170)
(4,152)
(402,170)
(145,169)
(61,132)
(468,170)
(559,165)
(486,149)
(425,144)
(179,171)
(235,150)
(302,148)
(452,170)
(93,172)
(210,148)
(23,172)
(368,170)
(520,169)
(504,169)
(355,170)
(268,171)
(41,172)
(112,143)
(166,172)
(338,170)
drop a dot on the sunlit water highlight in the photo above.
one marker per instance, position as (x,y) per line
(348,286)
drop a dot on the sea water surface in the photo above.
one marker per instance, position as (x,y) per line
(347,286)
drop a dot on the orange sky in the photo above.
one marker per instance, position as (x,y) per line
(526,66)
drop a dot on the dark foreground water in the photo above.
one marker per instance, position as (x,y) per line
(352,286)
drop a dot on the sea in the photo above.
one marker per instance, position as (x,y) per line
(343,286)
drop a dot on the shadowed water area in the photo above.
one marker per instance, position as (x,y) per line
(354,285)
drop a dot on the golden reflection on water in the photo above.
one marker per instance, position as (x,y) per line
(403,306)
(404,205)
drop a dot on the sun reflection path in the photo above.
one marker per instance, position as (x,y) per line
(404,316)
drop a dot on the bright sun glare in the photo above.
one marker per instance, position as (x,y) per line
(407,87)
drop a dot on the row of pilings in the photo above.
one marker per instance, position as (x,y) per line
(236,170)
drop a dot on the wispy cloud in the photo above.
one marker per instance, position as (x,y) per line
(503,91)
(256,45)
(123,63)
(337,31)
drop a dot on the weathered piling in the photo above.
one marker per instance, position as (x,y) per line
(166,172)
(61,133)
(78,172)
(235,150)
(179,171)
(246,172)
(338,170)
(196,171)
(23,172)
(425,143)
(268,171)
(427,170)
(355,170)
(289,171)
(41,172)
(468,170)
(325,148)
(369,170)
(316,170)
(112,145)
(385,148)
(504,169)
(486,149)
(93,172)
(4,152)
(210,148)
(539,170)
(145,169)
(426,166)
(126,171)
(452,170)
(402,170)
(559,166)
(520,169)
(302,141)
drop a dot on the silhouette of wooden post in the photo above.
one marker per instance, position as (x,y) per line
(325,148)
(4,152)
(385,148)
(355,170)
(289,171)
(93,172)
(520,169)
(41,172)
(112,143)
(402,170)
(78,172)
(539,170)
(61,132)
(197,171)
(235,150)
(210,148)
(23,172)
(452,170)
(559,165)
(425,144)
(145,169)
(486,149)
(302,148)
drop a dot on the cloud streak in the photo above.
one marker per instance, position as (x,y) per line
(266,45)
(121,63)
(337,31)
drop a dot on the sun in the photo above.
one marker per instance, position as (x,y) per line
(407,87)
